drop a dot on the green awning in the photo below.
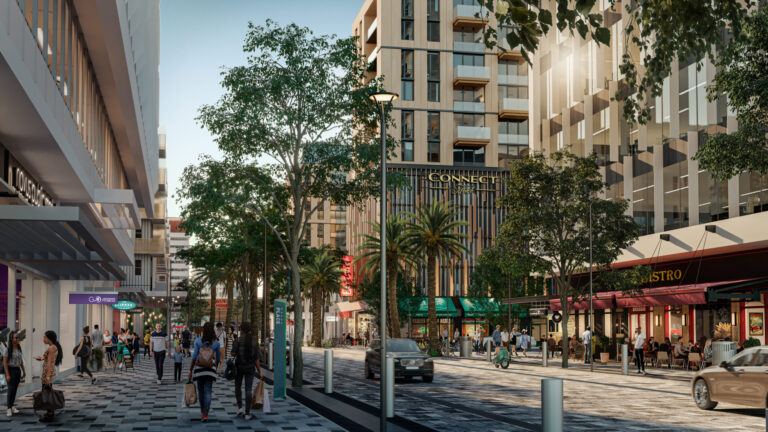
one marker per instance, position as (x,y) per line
(482,307)
(417,307)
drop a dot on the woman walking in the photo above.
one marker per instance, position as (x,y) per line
(205,358)
(247,361)
(51,358)
(13,364)
(83,352)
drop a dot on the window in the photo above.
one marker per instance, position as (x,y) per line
(514,127)
(469,156)
(513,92)
(468,60)
(433,137)
(508,67)
(407,75)
(433,76)
(407,136)
(468,94)
(320,231)
(407,20)
(476,120)
(321,211)
(138,233)
(308,234)
(433,20)
(137,268)
(467,34)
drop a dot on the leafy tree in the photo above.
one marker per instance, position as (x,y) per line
(547,204)
(742,77)
(194,305)
(434,232)
(299,109)
(400,259)
(321,276)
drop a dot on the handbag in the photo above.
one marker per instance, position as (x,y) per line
(257,402)
(190,394)
(48,399)
(229,372)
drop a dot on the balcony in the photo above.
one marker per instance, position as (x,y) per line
(477,107)
(150,246)
(371,34)
(513,139)
(472,47)
(465,16)
(513,108)
(474,76)
(374,55)
(513,80)
(471,135)
(507,53)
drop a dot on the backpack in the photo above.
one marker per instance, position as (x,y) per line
(205,357)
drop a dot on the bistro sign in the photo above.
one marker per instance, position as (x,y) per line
(462,183)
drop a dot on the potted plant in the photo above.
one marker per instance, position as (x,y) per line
(604,342)
(751,342)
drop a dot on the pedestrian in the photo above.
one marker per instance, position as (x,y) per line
(147,338)
(586,339)
(456,335)
(513,339)
(97,346)
(114,345)
(83,353)
(230,343)
(108,348)
(135,351)
(221,336)
(159,346)
(13,365)
(525,340)
(505,338)
(639,344)
(50,358)
(205,358)
(186,341)
(178,364)
(496,335)
(551,345)
(247,357)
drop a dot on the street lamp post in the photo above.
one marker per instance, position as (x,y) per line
(591,310)
(382,99)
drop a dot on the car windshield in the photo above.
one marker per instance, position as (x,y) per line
(402,345)
(742,359)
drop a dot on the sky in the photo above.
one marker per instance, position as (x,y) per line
(200,37)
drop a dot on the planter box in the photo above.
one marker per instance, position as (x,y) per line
(604,357)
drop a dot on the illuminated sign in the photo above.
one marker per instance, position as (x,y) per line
(462,183)
(26,186)
(346,276)
(221,303)
(664,276)
(124,305)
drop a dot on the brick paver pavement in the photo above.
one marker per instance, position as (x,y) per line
(473,395)
(132,401)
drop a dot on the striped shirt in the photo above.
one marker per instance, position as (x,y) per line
(158,340)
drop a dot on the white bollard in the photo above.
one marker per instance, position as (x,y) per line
(552,405)
(390,387)
(271,356)
(625,359)
(328,371)
(488,350)
(544,355)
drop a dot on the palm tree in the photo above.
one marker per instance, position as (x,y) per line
(320,276)
(210,276)
(400,259)
(434,233)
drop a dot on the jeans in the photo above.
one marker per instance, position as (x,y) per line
(239,375)
(177,371)
(84,366)
(639,359)
(146,350)
(204,390)
(159,360)
(98,359)
(588,352)
(13,385)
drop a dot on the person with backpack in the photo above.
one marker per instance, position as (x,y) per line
(83,352)
(247,361)
(205,358)
(13,365)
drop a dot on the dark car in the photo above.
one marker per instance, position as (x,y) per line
(410,360)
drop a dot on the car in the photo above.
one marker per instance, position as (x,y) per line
(742,380)
(410,360)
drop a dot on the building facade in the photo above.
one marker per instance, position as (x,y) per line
(179,242)
(703,238)
(461,117)
(78,144)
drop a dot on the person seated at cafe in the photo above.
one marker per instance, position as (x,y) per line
(666,346)
(651,348)
(706,354)
(680,351)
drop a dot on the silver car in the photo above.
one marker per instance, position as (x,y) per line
(742,380)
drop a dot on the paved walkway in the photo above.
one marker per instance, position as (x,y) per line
(132,401)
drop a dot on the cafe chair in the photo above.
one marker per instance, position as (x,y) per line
(694,358)
(662,356)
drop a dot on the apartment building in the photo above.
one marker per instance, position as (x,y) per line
(704,239)
(179,242)
(462,116)
(78,145)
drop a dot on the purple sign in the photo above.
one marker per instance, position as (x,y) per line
(92,298)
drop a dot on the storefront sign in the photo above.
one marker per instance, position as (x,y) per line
(92,298)
(664,276)
(346,276)
(26,186)
(221,303)
(279,332)
(124,305)
(755,323)
(331,318)
(462,183)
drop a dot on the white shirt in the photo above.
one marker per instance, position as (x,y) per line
(456,334)
(505,337)
(586,337)
(222,337)
(639,340)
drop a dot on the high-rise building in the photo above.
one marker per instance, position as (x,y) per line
(79,152)
(179,242)
(704,239)
(462,115)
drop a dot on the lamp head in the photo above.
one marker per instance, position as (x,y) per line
(383,97)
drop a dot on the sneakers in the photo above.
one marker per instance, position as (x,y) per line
(93,380)
(239,411)
(204,419)
(248,416)
(14,409)
(158,382)
(9,412)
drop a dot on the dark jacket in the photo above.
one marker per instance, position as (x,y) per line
(245,359)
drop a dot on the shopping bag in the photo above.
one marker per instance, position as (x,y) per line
(48,399)
(266,407)
(258,396)
(190,394)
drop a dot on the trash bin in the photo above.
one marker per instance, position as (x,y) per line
(465,347)
(723,351)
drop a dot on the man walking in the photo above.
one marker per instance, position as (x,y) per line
(586,339)
(97,349)
(185,341)
(639,343)
(158,347)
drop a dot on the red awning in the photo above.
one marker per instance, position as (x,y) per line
(663,296)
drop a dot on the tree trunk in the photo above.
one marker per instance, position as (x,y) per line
(298,320)
(564,324)
(213,303)
(254,304)
(230,303)
(434,336)
(266,303)
(317,316)
(393,317)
